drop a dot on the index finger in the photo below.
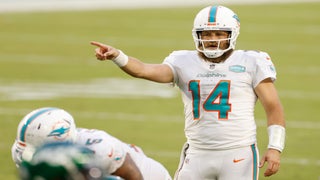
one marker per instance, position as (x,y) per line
(98,44)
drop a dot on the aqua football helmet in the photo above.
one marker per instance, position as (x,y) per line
(44,125)
(215,18)
(63,161)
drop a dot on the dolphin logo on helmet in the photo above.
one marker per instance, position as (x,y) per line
(59,132)
(45,125)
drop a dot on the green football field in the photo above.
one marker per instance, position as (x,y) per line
(46,60)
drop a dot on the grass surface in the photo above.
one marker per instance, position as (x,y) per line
(46,60)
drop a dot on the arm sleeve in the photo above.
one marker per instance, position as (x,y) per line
(169,60)
(264,69)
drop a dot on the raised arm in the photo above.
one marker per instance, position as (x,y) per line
(161,73)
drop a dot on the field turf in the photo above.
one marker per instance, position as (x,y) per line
(46,60)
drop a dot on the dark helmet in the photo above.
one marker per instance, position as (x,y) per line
(63,161)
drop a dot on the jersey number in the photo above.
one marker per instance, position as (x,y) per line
(217,100)
(93,141)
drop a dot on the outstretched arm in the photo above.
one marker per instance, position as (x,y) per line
(161,73)
(269,99)
(129,170)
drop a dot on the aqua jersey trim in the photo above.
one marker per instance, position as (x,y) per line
(255,159)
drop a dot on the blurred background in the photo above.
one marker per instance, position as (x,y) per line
(46,60)
(56,5)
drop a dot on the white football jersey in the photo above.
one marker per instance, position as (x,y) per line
(109,149)
(112,152)
(219,98)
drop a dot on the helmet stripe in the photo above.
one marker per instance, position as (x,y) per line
(212,14)
(34,116)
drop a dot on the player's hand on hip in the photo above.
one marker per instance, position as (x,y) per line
(104,52)
(272,157)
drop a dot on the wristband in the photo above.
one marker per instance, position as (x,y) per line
(277,135)
(121,60)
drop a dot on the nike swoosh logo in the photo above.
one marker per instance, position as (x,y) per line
(237,160)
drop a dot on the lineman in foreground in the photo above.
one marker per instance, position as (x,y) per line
(51,124)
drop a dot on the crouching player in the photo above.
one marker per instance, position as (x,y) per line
(53,124)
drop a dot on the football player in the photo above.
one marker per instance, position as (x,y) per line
(51,124)
(220,87)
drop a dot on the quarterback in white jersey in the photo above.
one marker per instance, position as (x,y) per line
(219,87)
(219,98)
(45,125)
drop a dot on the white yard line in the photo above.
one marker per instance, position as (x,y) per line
(292,124)
(109,88)
(96,88)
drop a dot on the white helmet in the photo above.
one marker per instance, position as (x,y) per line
(46,125)
(216,18)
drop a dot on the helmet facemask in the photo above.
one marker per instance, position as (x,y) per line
(212,53)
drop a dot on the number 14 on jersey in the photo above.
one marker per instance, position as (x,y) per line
(216,102)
